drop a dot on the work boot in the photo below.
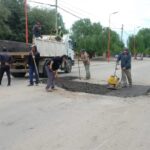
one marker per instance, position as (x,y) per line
(30,84)
(49,90)
(130,85)
(53,88)
(124,86)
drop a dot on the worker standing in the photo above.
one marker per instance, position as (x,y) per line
(33,62)
(125,58)
(5,63)
(51,68)
(36,31)
(86,61)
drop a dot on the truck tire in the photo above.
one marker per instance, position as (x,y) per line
(18,75)
(43,74)
(68,66)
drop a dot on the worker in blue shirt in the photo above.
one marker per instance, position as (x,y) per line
(125,58)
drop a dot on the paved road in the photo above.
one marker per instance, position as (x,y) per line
(32,119)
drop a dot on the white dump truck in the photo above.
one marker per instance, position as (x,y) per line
(48,47)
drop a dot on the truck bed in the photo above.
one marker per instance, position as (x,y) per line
(13,46)
(50,48)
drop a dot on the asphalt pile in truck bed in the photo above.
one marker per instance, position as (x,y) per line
(13,46)
(70,84)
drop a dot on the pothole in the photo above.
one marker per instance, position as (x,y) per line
(70,83)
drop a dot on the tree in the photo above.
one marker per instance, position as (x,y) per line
(141,41)
(93,37)
(12,20)
(16,19)
(46,18)
(4,28)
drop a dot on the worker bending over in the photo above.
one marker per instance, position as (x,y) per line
(51,68)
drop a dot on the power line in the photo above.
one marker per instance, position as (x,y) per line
(58,7)
(81,10)
(72,11)
(42,3)
(69,12)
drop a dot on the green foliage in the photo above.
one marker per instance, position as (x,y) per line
(116,45)
(94,38)
(4,28)
(45,17)
(16,19)
(12,20)
(141,41)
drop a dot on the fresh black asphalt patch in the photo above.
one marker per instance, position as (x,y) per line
(70,84)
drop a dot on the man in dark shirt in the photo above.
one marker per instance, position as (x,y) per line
(5,62)
(125,58)
(33,62)
(51,68)
(36,30)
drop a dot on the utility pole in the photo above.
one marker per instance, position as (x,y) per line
(102,39)
(109,30)
(135,57)
(56,23)
(121,32)
(108,47)
(26,22)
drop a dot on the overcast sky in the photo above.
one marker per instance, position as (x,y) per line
(131,13)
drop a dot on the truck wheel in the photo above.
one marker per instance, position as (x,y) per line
(18,75)
(68,66)
(43,74)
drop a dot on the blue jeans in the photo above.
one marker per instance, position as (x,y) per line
(51,78)
(33,73)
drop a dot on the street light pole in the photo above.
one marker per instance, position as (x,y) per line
(108,46)
(134,42)
(102,39)
(26,22)
(122,33)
